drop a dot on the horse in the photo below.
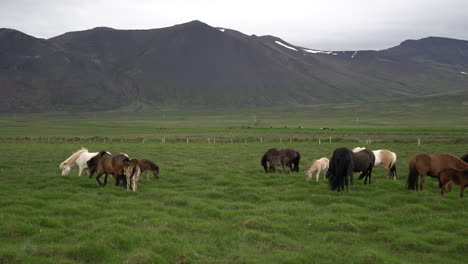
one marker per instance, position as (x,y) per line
(79,158)
(423,165)
(464,158)
(317,166)
(148,165)
(363,161)
(284,157)
(340,169)
(106,163)
(132,173)
(386,158)
(450,175)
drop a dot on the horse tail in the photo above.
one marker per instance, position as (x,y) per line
(412,175)
(296,162)
(264,162)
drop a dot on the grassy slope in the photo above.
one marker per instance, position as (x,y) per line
(213,204)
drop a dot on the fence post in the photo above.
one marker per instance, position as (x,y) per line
(319,141)
(290,140)
(330,140)
(231,140)
(261,139)
(419,142)
(208,140)
(187,140)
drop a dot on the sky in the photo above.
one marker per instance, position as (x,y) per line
(325,24)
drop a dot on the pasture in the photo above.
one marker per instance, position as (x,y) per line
(213,202)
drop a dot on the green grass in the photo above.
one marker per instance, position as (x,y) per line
(214,204)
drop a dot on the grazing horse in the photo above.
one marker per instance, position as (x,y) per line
(284,157)
(450,175)
(148,165)
(317,166)
(386,158)
(363,161)
(340,169)
(464,158)
(106,163)
(132,173)
(430,165)
(79,158)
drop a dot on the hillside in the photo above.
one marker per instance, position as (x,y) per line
(194,65)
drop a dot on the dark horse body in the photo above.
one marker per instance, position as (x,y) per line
(148,165)
(449,175)
(363,161)
(431,165)
(340,169)
(106,163)
(284,157)
(464,158)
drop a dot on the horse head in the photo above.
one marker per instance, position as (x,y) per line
(92,165)
(65,170)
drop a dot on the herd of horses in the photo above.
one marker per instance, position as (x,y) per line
(120,166)
(344,162)
(338,169)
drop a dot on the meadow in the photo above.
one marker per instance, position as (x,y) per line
(213,202)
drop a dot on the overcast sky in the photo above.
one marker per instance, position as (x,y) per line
(325,24)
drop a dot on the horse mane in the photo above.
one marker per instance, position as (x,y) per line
(70,161)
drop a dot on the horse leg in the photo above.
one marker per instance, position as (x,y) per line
(117,180)
(387,171)
(442,188)
(128,181)
(462,190)
(105,179)
(423,180)
(370,174)
(147,177)
(97,178)
(80,169)
(318,175)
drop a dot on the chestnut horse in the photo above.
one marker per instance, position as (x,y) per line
(284,157)
(106,163)
(450,175)
(430,165)
(148,165)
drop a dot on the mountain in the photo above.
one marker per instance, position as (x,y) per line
(194,65)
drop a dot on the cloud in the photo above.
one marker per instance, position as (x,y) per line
(333,24)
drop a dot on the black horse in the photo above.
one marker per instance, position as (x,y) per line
(363,161)
(284,157)
(464,158)
(340,169)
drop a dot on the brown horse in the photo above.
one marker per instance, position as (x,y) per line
(430,165)
(450,175)
(106,163)
(363,161)
(132,173)
(284,157)
(148,165)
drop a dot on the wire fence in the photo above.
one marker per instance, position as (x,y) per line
(223,140)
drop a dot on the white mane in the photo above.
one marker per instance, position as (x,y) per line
(71,161)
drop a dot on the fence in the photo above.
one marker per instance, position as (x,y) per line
(213,140)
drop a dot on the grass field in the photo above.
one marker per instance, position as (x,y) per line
(213,203)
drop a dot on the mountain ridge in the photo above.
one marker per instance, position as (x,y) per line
(194,65)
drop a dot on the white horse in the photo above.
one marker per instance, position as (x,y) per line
(385,157)
(79,158)
(317,166)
